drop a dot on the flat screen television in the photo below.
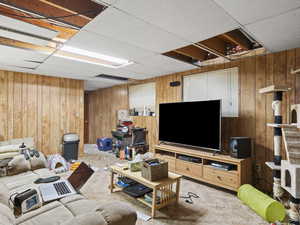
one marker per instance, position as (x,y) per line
(196,124)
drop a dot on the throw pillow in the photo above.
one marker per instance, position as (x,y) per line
(9,148)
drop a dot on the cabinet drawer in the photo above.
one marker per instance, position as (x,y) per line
(169,159)
(220,177)
(189,169)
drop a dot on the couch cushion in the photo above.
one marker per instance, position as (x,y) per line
(78,205)
(71,198)
(18,180)
(44,173)
(53,213)
(4,194)
(93,218)
(6,215)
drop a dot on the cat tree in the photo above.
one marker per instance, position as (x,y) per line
(285,172)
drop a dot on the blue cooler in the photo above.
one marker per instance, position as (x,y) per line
(104,144)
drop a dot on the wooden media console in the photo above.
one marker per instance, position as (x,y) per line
(202,170)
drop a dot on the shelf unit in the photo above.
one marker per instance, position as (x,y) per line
(203,171)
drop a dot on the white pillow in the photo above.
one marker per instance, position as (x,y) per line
(3,143)
(29,142)
(9,148)
(6,216)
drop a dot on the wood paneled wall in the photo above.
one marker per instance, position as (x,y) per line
(103,106)
(41,107)
(254,109)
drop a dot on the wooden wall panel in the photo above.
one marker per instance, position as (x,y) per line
(40,107)
(254,109)
(260,123)
(103,107)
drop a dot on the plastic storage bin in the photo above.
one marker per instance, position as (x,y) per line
(104,144)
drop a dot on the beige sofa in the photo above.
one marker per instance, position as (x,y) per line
(72,210)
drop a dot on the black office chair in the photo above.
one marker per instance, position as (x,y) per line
(139,136)
(139,141)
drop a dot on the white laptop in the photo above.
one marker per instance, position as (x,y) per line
(62,188)
(56,190)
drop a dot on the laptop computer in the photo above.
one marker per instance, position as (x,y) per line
(63,188)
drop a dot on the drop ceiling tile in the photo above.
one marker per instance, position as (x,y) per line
(11,54)
(167,64)
(108,46)
(57,73)
(106,2)
(23,38)
(107,81)
(68,67)
(146,71)
(246,11)
(94,85)
(278,33)
(18,63)
(76,68)
(15,68)
(193,20)
(121,26)
(26,27)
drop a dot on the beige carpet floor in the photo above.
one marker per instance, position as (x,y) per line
(214,207)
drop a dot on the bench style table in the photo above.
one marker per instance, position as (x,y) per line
(166,189)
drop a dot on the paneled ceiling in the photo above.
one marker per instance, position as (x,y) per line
(142,31)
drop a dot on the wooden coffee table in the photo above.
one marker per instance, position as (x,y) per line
(167,189)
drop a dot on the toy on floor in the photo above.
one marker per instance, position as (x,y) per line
(57,163)
(268,208)
(74,165)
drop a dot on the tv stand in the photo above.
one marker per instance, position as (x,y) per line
(240,172)
(214,153)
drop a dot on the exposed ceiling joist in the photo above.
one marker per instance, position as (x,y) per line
(193,52)
(64,32)
(178,56)
(77,6)
(237,38)
(210,50)
(47,10)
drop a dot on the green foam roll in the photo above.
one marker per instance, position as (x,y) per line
(268,208)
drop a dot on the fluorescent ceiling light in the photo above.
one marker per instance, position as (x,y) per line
(93,57)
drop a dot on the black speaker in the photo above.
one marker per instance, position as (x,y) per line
(240,147)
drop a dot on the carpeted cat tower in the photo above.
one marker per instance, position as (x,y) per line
(286,173)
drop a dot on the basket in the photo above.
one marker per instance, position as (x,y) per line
(154,172)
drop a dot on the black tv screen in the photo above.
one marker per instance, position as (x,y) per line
(195,124)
